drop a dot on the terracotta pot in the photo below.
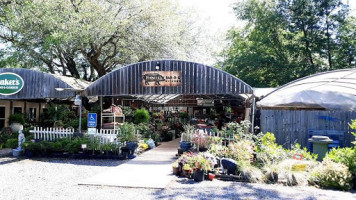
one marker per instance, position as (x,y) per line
(211,176)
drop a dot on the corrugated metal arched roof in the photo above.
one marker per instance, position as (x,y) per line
(39,85)
(196,79)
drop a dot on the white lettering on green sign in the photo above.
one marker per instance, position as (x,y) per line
(10,83)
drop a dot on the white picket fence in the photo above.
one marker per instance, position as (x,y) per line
(106,136)
(51,134)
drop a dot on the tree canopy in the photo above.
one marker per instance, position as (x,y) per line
(283,40)
(89,38)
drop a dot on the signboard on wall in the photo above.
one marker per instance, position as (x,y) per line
(10,83)
(161,78)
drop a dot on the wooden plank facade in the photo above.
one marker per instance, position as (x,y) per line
(197,79)
(290,126)
(37,85)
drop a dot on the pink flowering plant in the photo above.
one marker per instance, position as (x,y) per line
(202,139)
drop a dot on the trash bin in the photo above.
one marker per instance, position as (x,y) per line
(320,145)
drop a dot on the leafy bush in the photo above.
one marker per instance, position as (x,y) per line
(11,143)
(188,133)
(353,126)
(346,156)
(145,130)
(250,173)
(332,175)
(141,116)
(128,132)
(268,152)
(241,150)
(218,150)
(17,118)
(31,146)
(296,149)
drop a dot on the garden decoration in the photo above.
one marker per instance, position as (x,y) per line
(21,139)
(16,122)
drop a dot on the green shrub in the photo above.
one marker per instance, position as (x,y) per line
(128,132)
(12,143)
(241,150)
(331,175)
(4,138)
(56,146)
(17,118)
(353,126)
(141,116)
(250,173)
(31,146)
(145,131)
(346,156)
(268,152)
(296,149)
(46,146)
(75,145)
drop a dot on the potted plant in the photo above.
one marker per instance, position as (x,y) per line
(201,140)
(141,116)
(16,122)
(175,167)
(31,148)
(186,170)
(202,165)
(187,136)
(129,136)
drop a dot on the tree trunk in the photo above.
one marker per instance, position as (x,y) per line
(71,65)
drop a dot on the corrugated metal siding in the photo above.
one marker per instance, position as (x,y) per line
(197,79)
(37,85)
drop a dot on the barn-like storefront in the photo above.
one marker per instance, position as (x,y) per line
(171,87)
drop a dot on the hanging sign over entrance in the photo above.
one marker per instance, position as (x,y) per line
(10,83)
(161,78)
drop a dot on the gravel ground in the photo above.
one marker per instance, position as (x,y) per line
(58,178)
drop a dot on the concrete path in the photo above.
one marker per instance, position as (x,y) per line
(152,169)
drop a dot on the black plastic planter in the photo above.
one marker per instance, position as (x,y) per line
(198,175)
(28,154)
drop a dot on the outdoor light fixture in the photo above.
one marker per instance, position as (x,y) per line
(157,66)
(77,101)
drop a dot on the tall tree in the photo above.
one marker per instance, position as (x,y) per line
(88,38)
(288,39)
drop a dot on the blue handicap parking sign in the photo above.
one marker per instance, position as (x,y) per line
(92,120)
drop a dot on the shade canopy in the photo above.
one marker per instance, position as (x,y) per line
(39,85)
(163,80)
(332,90)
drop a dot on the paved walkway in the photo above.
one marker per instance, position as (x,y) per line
(152,169)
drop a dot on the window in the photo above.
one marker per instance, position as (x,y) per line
(17,110)
(2,117)
(32,115)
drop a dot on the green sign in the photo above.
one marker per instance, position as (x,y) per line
(10,83)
